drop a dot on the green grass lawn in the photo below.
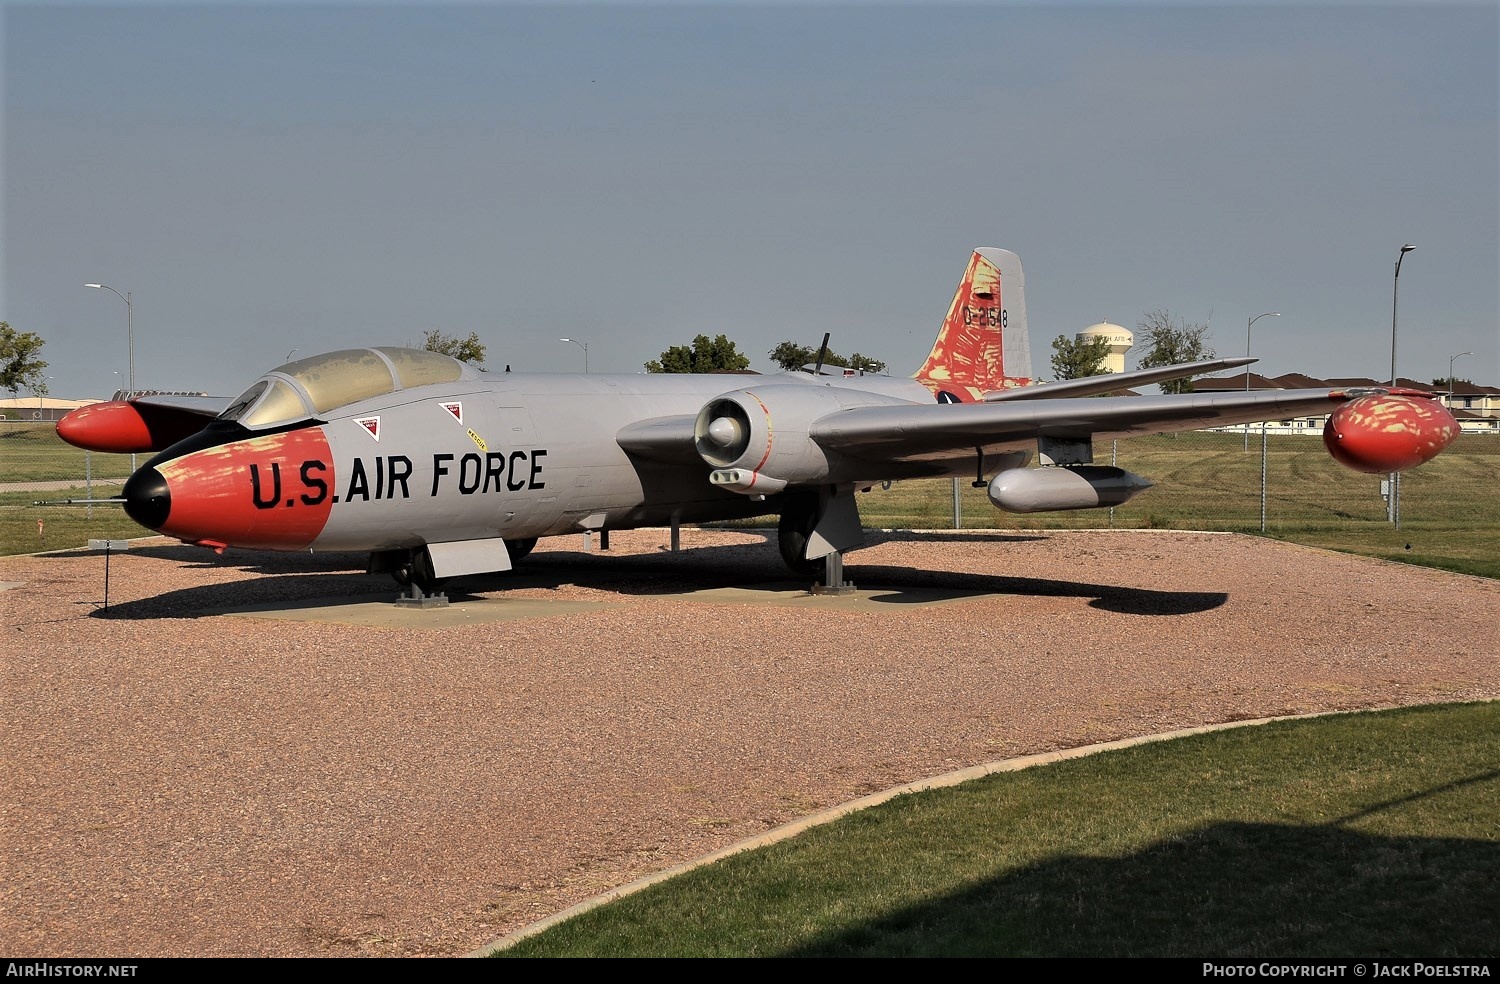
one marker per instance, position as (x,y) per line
(34,453)
(1356,835)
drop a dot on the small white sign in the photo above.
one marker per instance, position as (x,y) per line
(109,544)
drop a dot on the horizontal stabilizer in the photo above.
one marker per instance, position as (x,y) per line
(1111,381)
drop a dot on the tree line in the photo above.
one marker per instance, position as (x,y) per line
(1169,340)
(720,354)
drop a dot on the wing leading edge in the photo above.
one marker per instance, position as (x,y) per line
(942,431)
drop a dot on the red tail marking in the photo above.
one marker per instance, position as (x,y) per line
(968,359)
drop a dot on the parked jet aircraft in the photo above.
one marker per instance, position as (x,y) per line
(440,470)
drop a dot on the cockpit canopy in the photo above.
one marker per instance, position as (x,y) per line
(321,383)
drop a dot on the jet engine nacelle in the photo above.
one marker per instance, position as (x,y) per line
(757,440)
(1052,488)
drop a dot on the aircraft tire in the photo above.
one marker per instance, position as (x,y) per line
(798,519)
(518,549)
(420,573)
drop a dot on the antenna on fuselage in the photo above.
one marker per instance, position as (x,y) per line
(822,353)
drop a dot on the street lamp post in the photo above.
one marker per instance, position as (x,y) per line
(582,345)
(40,392)
(1393,498)
(129,336)
(129,326)
(1451,360)
(1268,314)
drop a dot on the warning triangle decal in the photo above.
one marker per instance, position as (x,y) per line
(371,424)
(457,409)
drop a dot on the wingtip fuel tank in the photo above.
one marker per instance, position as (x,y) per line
(1388,432)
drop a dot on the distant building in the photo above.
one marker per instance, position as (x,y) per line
(31,409)
(1476,408)
(1120,341)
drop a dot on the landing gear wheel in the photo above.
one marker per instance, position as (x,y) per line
(518,549)
(415,571)
(798,519)
(421,573)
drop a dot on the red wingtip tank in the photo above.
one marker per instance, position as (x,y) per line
(123,427)
(116,427)
(1389,432)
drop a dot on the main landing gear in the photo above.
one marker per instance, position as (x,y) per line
(823,522)
(422,587)
(412,569)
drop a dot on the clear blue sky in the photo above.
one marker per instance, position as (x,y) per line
(283,176)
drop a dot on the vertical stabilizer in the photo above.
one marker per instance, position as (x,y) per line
(983,344)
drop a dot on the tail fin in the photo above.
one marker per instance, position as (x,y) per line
(983,344)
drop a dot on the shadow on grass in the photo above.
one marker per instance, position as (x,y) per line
(1229,890)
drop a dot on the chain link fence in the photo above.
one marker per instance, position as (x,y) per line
(1205,480)
(1216,480)
(36,464)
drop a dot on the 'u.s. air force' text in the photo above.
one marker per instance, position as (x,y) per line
(389,477)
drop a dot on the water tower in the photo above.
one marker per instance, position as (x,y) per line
(1120,341)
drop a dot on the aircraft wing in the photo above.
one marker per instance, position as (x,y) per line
(939,431)
(187,403)
(668,439)
(1109,382)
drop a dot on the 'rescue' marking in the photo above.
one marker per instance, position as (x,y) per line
(478,441)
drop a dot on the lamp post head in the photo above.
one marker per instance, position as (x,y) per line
(1407,248)
(93,285)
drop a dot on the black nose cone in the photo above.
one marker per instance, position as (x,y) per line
(147,498)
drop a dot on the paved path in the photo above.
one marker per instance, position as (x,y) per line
(293,780)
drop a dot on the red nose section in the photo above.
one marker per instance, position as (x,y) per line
(272,492)
(1379,434)
(116,428)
